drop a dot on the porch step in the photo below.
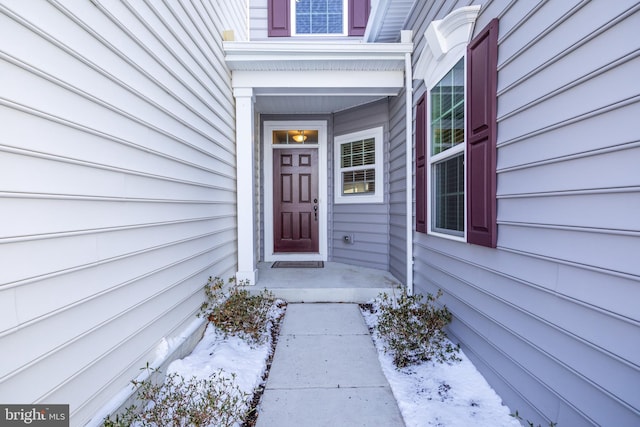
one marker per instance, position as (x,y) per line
(334,283)
(333,295)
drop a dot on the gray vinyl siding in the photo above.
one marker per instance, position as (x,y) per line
(117,187)
(258,198)
(368,222)
(397,188)
(550,316)
(258,22)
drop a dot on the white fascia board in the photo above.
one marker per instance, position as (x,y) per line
(347,80)
(238,54)
(311,47)
(376,18)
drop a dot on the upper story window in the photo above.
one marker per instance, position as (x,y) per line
(288,18)
(319,17)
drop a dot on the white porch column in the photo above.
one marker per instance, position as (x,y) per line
(245,173)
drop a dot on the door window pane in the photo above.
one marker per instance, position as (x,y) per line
(297,136)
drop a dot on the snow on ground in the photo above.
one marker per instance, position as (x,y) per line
(232,355)
(429,394)
(448,395)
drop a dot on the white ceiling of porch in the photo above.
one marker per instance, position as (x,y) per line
(309,104)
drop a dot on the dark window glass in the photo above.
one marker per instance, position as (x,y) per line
(319,17)
(448,195)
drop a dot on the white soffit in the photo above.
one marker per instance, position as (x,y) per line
(273,104)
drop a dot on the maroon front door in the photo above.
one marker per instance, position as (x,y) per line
(295,200)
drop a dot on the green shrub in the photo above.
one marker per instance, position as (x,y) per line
(239,313)
(178,402)
(215,400)
(413,331)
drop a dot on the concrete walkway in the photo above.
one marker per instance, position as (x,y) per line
(325,372)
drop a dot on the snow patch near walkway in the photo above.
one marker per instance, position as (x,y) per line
(435,394)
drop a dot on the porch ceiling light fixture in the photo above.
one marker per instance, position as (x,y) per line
(300,137)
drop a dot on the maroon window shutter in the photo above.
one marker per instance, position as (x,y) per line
(358,16)
(482,77)
(279,18)
(421,165)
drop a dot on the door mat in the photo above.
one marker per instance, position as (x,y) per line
(298,264)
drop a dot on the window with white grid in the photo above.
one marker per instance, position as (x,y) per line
(358,167)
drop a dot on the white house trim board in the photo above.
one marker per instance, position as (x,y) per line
(269,127)
(247,268)
(446,42)
(249,55)
(390,81)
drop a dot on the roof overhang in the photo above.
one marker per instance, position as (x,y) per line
(363,71)
(387,19)
(309,55)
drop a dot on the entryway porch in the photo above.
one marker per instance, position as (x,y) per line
(335,282)
(289,81)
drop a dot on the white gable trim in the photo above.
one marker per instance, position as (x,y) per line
(446,42)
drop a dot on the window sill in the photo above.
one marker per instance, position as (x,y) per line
(461,239)
(359,200)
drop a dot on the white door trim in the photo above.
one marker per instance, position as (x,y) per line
(269,127)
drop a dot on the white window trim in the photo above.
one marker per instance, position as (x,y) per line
(446,43)
(345,22)
(447,154)
(378,195)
